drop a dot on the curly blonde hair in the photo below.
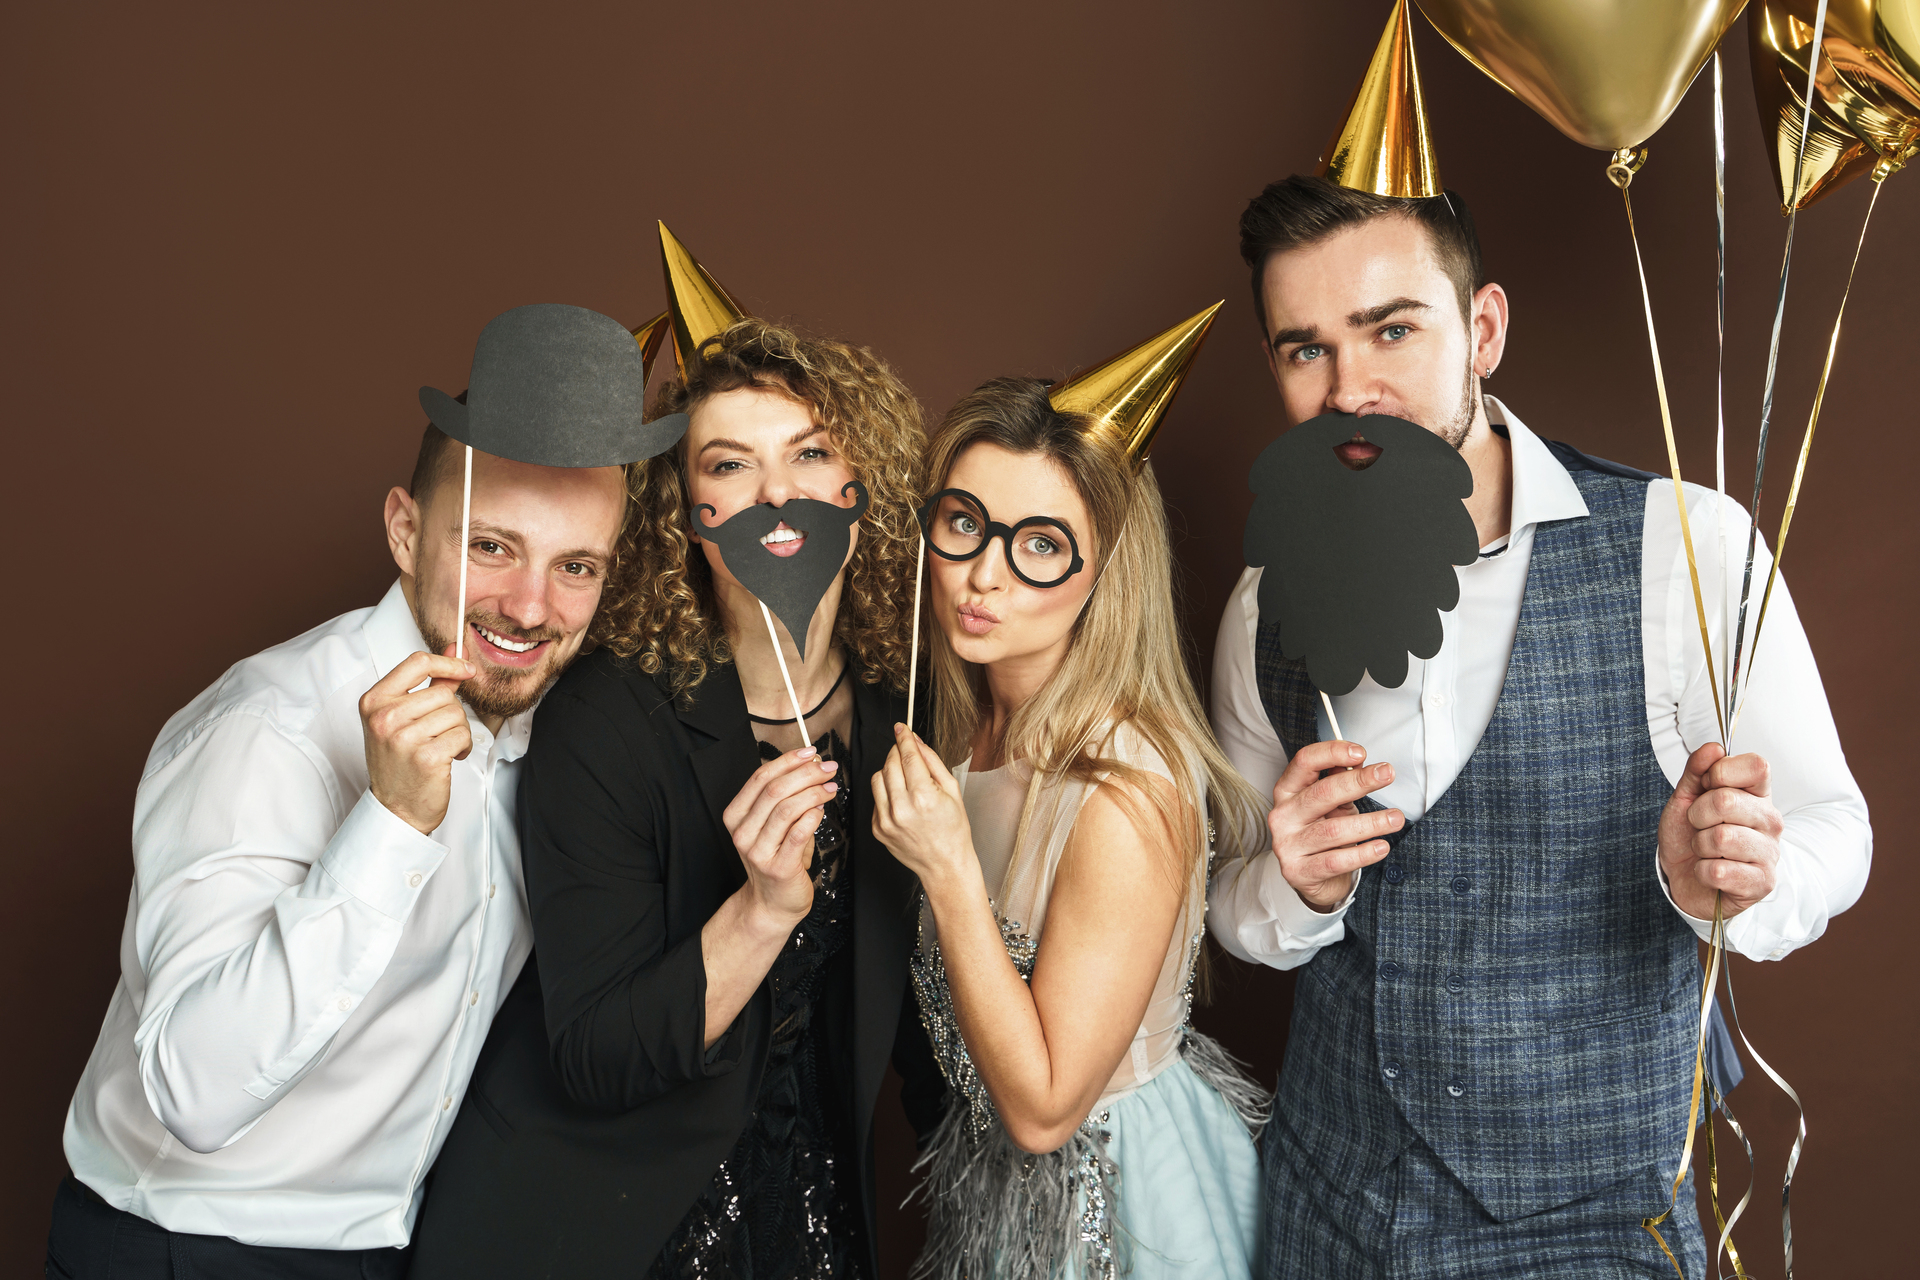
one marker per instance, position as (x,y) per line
(660,610)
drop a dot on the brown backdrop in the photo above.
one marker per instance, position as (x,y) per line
(237,241)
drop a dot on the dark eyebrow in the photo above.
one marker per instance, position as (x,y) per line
(724,443)
(492,532)
(1374,315)
(1286,337)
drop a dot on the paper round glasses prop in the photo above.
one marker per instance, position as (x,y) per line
(790,583)
(1359,564)
(1607,73)
(1866,110)
(556,386)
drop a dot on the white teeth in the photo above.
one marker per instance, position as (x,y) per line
(500,641)
(782,535)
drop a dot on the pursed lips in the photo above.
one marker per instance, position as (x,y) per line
(977,619)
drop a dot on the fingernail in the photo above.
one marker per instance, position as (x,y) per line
(899,730)
(833,786)
(829,765)
(1354,752)
(804,752)
(1383,772)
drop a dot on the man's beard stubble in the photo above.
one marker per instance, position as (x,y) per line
(501,691)
(1456,432)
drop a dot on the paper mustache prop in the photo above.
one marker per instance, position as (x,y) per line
(552,386)
(789,585)
(1359,563)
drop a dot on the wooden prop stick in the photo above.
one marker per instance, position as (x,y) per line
(1332,720)
(913,662)
(786,679)
(466,535)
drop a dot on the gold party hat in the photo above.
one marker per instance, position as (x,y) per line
(1128,395)
(699,304)
(649,336)
(1383,145)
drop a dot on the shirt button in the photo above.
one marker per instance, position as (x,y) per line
(345,1004)
(1455,1089)
(1461,884)
(489,891)
(446,1102)
(1391,1071)
(1395,873)
(1436,699)
(1389,970)
(474,999)
(413,879)
(1456,983)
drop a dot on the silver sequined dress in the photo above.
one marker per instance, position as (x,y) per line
(1162,1178)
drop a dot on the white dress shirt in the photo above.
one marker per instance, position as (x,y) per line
(306,980)
(1429,725)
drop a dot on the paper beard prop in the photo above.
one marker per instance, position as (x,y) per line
(556,386)
(790,586)
(1359,564)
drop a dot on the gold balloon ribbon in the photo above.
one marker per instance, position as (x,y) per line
(1719,1102)
(1800,1133)
(1773,357)
(1625,163)
(1806,441)
(1652,1225)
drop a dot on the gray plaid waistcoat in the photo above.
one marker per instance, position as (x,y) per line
(1513,986)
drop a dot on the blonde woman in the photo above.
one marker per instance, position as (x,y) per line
(1064,863)
(683,1084)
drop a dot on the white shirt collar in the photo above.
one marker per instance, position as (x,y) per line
(392,634)
(1542,489)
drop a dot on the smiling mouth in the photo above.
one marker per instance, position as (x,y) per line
(504,650)
(784,541)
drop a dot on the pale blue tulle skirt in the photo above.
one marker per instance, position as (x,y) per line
(1188,1191)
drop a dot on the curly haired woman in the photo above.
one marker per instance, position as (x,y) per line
(685,1083)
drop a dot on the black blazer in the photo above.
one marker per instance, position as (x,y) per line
(595,1115)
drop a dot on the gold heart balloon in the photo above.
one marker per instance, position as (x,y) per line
(1606,73)
(1866,109)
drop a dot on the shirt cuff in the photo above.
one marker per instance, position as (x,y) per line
(1310,926)
(1743,935)
(381,859)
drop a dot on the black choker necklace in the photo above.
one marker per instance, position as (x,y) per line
(837,681)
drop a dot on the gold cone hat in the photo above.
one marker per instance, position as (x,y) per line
(699,304)
(1128,395)
(649,336)
(1383,145)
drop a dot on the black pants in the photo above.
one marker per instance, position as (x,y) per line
(92,1240)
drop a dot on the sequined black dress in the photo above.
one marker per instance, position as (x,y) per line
(778,1207)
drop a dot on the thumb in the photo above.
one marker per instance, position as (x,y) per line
(1693,782)
(472,670)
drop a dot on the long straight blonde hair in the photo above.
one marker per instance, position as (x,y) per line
(1125,662)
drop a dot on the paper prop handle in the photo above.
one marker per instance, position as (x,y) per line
(1359,564)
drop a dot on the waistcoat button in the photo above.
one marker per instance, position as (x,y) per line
(1456,983)
(1455,1089)
(1391,1071)
(1395,873)
(1389,970)
(1461,884)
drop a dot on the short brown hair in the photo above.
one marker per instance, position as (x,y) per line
(1298,211)
(660,610)
(433,463)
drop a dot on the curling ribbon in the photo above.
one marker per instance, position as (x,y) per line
(1620,172)
(1773,348)
(1806,441)
(1652,1225)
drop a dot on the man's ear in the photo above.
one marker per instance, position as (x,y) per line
(402,519)
(1489,328)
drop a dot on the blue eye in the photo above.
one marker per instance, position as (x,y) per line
(1395,332)
(1309,353)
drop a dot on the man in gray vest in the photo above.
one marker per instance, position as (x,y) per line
(1495,893)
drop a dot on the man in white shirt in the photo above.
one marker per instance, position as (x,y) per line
(327,905)
(1491,1052)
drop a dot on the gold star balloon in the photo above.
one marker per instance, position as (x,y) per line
(1383,145)
(1128,395)
(700,305)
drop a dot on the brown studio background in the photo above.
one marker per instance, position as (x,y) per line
(238,241)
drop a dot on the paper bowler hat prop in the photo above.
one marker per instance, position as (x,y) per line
(556,386)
